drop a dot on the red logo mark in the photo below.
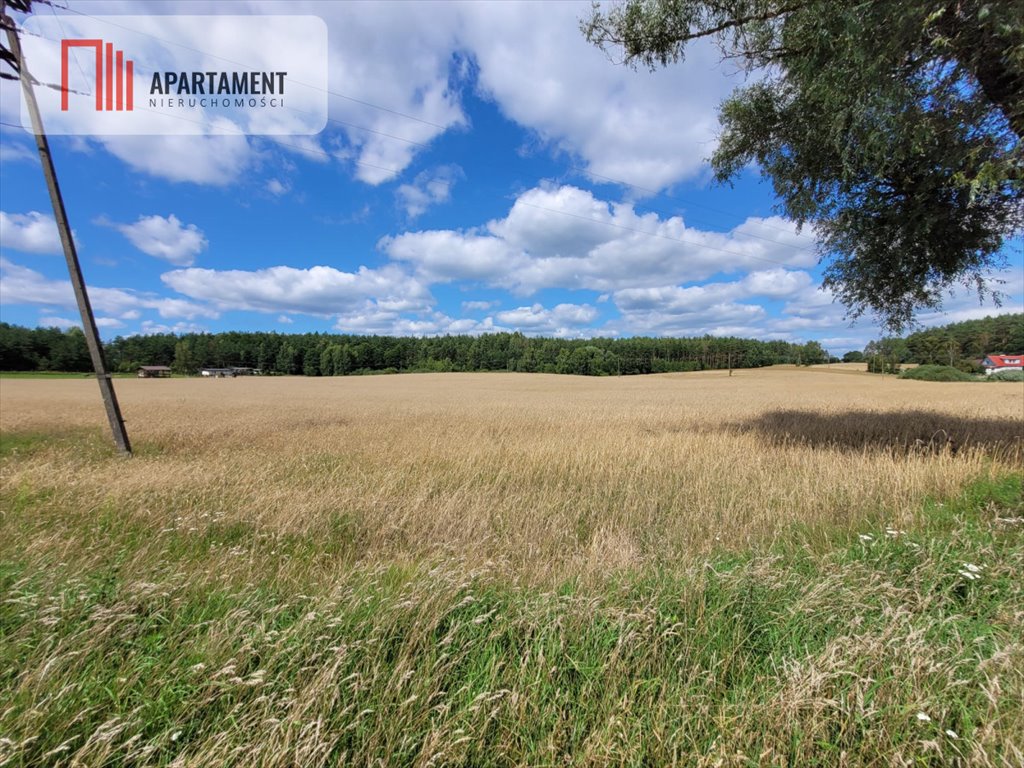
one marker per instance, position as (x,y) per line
(112,70)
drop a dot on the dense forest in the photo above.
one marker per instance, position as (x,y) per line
(318,354)
(961,345)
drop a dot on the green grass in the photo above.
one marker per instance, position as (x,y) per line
(222,644)
(90,443)
(58,375)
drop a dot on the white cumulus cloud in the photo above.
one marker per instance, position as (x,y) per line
(32,232)
(21,285)
(319,290)
(565,237)
(429,188)
(560,320)
(166,238)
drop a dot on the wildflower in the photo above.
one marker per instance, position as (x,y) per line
(866,537)
(923,717)
(951,733)
(973,568)
(175,736)
(969,575)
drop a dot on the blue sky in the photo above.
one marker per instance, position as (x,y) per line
(483,168)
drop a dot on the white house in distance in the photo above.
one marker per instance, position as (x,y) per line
(229,373)
(994,363)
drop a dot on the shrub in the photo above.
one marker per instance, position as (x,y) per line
(970,366)
(1006,376)
(936,373)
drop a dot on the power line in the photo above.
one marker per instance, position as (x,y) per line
(441,127)
(74,51)
(243,64)
(319,152)
(444,128)
(705,246)
(329,119)
(239,131)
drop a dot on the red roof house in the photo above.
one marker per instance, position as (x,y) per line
(993,363)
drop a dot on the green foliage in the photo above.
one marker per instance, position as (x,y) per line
(890,346)
(970,366)
(812,353)
(184,358)
(886,355)
(853,356)
(316,354)
(43,349)
(893,128)
(957,345)
(1002,334)
(880,363)
(1006,376)
(936,373)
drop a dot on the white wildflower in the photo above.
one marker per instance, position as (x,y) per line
(973,568)
(951,733)
(923,717)
(968,575)
(866,537)
(175,736)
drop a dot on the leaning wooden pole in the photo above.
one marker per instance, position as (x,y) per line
(92,336)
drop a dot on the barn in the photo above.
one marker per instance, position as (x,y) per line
(154,371)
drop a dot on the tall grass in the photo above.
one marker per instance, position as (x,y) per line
(513,570)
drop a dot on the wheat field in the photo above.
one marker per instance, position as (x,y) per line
(548,475)
(514,569)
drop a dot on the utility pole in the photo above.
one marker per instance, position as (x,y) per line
(92,336)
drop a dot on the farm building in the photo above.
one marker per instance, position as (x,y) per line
(993,363)
(154,371)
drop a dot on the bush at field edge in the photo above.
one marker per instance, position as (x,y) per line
(1006,376)
(936,373)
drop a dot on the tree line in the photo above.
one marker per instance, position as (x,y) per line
(960,345)
(320,354)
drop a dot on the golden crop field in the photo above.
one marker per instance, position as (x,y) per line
(810,567)
(548,475)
